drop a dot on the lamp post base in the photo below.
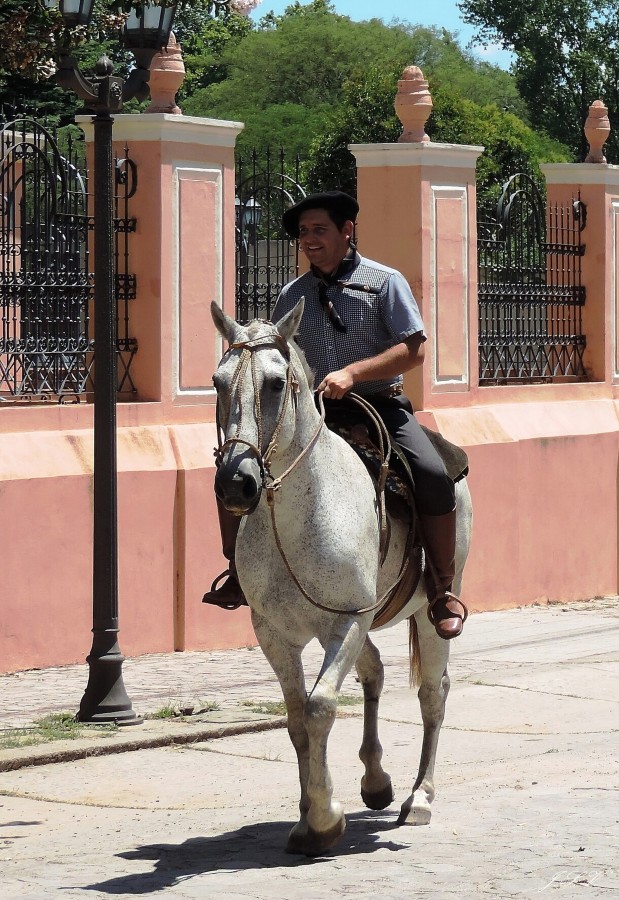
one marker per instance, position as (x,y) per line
(105,699)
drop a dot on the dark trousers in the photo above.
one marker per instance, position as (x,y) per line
(434,489)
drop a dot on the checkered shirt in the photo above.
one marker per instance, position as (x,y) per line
(374,321)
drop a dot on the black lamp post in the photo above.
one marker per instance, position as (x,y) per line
(248,216)
(105,698)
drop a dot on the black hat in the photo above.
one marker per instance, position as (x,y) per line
(334,201)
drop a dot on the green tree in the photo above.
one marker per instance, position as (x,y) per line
(287,94)
(277,66)
(368,116)
(567,56)
(31,34)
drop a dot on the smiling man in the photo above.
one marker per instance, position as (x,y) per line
(361,330)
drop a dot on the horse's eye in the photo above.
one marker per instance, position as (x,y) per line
(277,384)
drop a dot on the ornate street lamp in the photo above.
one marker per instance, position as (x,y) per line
(252,213)
(105,698)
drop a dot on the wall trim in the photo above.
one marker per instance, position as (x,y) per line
(455,156)
(169,128)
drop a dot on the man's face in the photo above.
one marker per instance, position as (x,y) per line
(321,240)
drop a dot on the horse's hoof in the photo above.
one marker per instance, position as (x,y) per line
(315,843)
(415,813)
(378,799)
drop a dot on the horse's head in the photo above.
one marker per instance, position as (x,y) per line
(257,382)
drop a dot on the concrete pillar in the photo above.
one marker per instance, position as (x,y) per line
(417,214)
(183,252)
(597,185)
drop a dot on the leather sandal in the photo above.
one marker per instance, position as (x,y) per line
(229,596)
(451,622)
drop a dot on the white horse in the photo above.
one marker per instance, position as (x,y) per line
(308,561)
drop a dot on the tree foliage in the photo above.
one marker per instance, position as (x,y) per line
(567,56)
(283,101)
(368,116)
(32,35)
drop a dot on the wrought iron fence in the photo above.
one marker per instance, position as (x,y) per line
(46,285)
(530,291)
(266,258)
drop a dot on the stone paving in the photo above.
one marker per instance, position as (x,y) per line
(527,780)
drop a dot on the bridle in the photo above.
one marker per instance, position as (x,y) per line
(248,360)
(268,482)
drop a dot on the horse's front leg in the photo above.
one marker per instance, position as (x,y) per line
(285,660)
(376,789)
(432,694)
(325,818)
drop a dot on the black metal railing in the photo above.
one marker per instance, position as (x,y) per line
(46,281)
(266,258)
(530,291)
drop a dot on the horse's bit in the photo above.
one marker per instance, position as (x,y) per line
(270,484)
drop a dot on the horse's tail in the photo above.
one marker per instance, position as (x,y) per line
(414,653)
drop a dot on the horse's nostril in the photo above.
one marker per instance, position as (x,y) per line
(250,488)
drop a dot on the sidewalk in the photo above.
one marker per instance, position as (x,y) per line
(527,777)
(233,681)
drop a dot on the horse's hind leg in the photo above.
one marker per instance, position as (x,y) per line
(376,789)
(433,692)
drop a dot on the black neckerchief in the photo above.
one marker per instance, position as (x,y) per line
(348,264)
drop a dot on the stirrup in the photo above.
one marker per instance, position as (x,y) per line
(223,604)
(446,596)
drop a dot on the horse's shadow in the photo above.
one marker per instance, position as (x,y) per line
(257,846)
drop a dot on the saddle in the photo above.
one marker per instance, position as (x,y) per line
(357,429)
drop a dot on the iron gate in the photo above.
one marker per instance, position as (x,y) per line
(46,287)
(530,291)
(266,258)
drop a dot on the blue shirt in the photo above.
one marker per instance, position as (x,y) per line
(374,302)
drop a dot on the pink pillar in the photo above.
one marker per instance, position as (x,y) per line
(597,184)
(183,256)
(417,214)
(183,251)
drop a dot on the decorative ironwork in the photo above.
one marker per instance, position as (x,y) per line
(266,258)
(46,286)
(530,291)
(126,176)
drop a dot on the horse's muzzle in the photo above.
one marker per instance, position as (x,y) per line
(239,487)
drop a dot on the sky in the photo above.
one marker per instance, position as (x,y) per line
(441,13)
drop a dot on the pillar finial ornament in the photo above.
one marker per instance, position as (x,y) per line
(167,73)
(413,105)
(597,129)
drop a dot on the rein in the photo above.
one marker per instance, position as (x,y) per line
(271,484)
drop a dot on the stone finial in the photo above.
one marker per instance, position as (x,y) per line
(413,105)
(167,73)
(597,129)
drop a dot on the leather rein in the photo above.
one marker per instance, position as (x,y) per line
(271,484)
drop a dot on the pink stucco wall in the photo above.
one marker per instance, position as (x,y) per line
(543,458)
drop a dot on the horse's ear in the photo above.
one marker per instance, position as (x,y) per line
(225,325)
(289,325)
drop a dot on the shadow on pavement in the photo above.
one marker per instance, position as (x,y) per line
(259,846)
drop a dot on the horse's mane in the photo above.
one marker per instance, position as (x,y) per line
(256,328)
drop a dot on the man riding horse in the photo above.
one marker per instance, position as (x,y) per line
(361,330)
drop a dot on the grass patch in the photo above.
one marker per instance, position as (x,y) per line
(266,707)
(278,707)
(349,700)
(182,709)
(53,727)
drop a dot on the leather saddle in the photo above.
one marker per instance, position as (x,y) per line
(358,430)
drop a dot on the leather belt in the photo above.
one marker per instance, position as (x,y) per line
(395,390)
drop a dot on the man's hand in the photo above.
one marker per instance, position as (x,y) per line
(336,384)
